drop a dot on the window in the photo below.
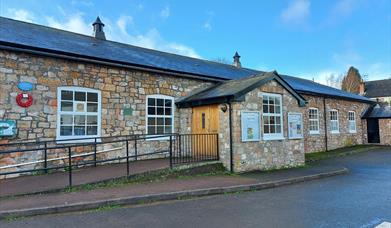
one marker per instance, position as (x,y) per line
(272,116)
(313,116)
(78,114)
(352,122)
(334,124)
(160,114)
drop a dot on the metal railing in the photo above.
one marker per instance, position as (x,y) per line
(181,149)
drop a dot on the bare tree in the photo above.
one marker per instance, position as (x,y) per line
(351,82)
(334,80)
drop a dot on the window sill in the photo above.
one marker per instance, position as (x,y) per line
(315,133)
(352,132)
(75,140)
(334,132)
(251,140)
(273,139)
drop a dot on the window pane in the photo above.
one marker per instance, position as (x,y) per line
(267,119)
(159,102)
(272,120)
(167,121)
(271,101)
(79,130)
(80,120)
(151,102)
(92,130)
(92,120)
(168,111)
(272,129)
(168,129)
(159,130)
(159,121)
(66,120)
(167,103)
(66,106)
(160,111)
(271,109)
(277,100)
(264,100)
(151,121)
(80,107)
(278,128)
(278,120)
(266,129)
(265,109)
(277,109)
(66,130)
(66,95)
(92,97)
(80,96)
(151,111)
(151,130)
(92,107)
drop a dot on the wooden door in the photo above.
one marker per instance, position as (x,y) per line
(373,130)
(205,123)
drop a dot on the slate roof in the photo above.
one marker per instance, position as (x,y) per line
(32,37)
(379,88)
(234,90)
(378,111)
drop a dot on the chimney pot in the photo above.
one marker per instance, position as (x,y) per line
(236,62)
(98,29)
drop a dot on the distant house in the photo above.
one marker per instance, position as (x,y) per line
(378,116)
(84,87)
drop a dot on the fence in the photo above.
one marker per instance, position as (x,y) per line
(68,155)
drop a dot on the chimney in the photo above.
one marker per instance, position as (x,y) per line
(361,88)
(236,62)
(98,29)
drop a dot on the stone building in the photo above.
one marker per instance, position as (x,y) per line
(65,86)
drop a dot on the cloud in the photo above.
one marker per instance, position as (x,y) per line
(21,15)
(297,12)
(343,8)
(208,23)
(165,12)
(74,23)
(347,58)
(123,21)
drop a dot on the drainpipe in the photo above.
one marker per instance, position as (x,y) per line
(230,139)
(325,122)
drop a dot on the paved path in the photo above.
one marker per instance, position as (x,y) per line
(360,199)
(60,180)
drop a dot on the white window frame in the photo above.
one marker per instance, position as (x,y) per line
(352,122)
(160,96)
(312,132)
(273,136)
(331,121)
(77,138)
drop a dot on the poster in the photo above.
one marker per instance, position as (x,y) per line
(250,126)
(295,125)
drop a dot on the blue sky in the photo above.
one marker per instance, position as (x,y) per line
(311,39)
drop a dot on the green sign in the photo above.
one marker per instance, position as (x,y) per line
(128,111)
(7,128)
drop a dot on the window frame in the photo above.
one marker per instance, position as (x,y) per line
(350,121)
(273,136)
(337,121)
(77,138)
(312,132)
(160,96)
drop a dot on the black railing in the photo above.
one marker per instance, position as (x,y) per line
(192,148)
(180,149)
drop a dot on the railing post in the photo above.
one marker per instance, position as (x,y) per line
(45,164)
(127,157)
(170,151)
(95,153)
(217,146)
(135,147)
(70,166)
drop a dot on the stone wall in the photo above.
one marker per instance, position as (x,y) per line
(385,131)
(262,154)
(317,142)
(120,88)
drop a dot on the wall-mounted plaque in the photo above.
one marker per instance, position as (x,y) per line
(7,128)
(295,125)
(250,126)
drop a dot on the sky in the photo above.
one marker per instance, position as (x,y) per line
(304,38)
